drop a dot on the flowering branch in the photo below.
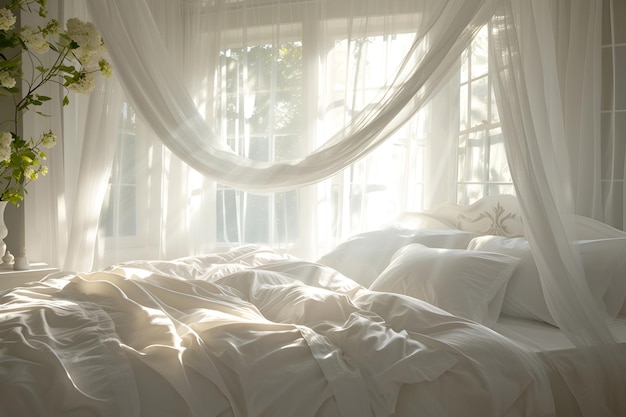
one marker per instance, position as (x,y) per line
(79,53)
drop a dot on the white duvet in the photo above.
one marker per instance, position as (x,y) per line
(249,333)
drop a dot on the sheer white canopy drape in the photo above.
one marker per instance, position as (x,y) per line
(159,94)
(545,58)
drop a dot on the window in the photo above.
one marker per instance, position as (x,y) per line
(122,191)
(482,165)
(372,190)
(263,106)
(261,110)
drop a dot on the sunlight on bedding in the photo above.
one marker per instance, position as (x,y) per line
(202,342)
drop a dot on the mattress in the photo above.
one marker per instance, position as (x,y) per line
(539,336)
(552,346)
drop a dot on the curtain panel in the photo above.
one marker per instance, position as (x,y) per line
(543,58)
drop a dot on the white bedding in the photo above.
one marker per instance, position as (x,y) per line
(544,337)
(249,333)
(563,362)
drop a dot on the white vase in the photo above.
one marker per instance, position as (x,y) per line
(3,229)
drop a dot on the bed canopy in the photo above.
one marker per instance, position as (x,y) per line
(544,60)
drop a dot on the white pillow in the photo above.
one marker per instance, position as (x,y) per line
(443,238)
(364,256)
(468,284)
(604,261)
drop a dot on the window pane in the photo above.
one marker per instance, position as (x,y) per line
(287,147)
(287,224)
(227,216)
(498,165)
(495,189)
(480,53)
(257,216)
(259,149)
(480,98)
(469,193)
(495,117)
(471,158)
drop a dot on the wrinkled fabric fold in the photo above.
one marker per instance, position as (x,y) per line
(252,342)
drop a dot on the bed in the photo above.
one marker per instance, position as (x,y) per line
(252,332)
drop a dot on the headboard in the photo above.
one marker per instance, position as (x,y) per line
(495,215)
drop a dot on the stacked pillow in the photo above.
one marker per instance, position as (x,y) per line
(469,284)
(472,276)
(364,256)
(604,261)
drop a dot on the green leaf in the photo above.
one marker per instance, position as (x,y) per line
(66,100)
(10,64)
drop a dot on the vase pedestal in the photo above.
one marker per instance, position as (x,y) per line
(19,261)
(3,230)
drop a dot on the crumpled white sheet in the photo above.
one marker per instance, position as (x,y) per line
(249,333)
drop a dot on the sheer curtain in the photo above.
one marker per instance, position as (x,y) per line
(63,208)
(545,61)
(159,94)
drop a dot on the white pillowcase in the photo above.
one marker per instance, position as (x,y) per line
(468,284)
(444,238)
(364,256)
(604,261)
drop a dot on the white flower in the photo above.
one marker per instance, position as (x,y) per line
(7,19)
(5,153)
(34,40)
(84,34)
(88,58)
(43,170)
(6,80)
(48,139)
(5,146)
(30,173)
(85,84)
(6,138)
(105,68)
